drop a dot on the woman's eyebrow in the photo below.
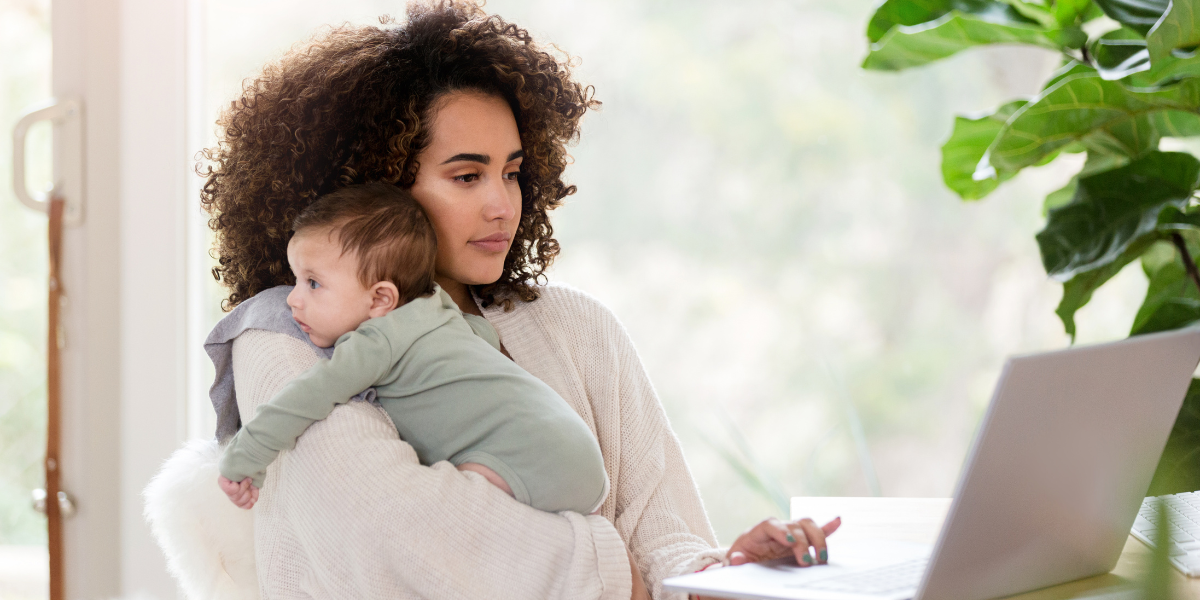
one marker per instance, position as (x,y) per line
(466,157)
(481,158)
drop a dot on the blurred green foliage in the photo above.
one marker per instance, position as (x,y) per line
(24,81)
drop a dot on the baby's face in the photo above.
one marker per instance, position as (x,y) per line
(328,300)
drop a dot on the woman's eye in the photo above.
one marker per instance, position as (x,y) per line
(467,177)
(512,176)
(313,284)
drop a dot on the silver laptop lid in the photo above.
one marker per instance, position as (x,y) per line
(1059,468)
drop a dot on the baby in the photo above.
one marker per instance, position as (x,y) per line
(363,257)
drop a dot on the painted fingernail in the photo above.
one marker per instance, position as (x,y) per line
(824,555)
(806,559)
(790,539)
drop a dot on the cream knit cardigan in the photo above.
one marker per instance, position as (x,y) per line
(350,513)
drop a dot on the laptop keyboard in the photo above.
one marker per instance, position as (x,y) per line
(1183,512)
(891,579)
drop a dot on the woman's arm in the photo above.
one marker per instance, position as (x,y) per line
(576,345)
(659,511)
(349,512)
(660,514)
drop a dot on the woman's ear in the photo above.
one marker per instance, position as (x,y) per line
(384,297)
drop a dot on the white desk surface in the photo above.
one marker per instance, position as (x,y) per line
(920,519)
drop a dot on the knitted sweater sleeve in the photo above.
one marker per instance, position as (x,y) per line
(654,502)
(659,511)
(350,513)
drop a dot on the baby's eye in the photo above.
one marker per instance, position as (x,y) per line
(312,285)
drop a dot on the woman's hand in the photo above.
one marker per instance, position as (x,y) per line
(773,538)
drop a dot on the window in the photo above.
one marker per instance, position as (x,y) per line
(24,81)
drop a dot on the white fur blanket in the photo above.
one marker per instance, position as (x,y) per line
(209,542)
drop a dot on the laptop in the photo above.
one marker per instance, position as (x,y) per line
(1049,491)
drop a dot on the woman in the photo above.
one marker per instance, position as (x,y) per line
(471,116)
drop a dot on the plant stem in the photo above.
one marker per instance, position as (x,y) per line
(1188,263)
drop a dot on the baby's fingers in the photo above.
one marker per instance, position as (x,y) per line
(229,487)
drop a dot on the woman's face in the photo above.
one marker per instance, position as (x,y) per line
(467,184)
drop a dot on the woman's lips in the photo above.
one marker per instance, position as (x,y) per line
(497,242)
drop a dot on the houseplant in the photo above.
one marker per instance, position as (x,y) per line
(1130,76)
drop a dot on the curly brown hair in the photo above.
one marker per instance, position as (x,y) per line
(353,105)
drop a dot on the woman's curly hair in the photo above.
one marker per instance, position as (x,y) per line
(353,105)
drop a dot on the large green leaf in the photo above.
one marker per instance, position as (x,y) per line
(1178,28)
(1096,163)
(910,46)
(1166,70)
(1179,468)
(1078,290)
(1103,115)
(1120,53)
(1034,11)
(1069,69)
(1138,15)
(967,144)
(1176,123)
(1070,12)
(1172,301)
(1153,248)
(893,13)
(1114,209)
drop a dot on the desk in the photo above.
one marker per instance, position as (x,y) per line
(920,519)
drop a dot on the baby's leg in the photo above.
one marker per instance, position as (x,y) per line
(488,474)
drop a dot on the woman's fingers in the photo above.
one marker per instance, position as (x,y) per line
(778,531)
(816,540)
(800,549)
(832,526)
(772,538)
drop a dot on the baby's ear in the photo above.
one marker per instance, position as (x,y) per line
(384,297)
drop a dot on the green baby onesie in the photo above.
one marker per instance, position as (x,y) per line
(452,396)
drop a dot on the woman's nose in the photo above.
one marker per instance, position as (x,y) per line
(499,203)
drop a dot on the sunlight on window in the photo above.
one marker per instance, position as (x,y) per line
(24,81)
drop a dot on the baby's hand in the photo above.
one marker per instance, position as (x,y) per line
(243,493)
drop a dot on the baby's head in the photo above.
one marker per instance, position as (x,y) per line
(358,253)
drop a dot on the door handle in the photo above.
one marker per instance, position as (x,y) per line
(67,115)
